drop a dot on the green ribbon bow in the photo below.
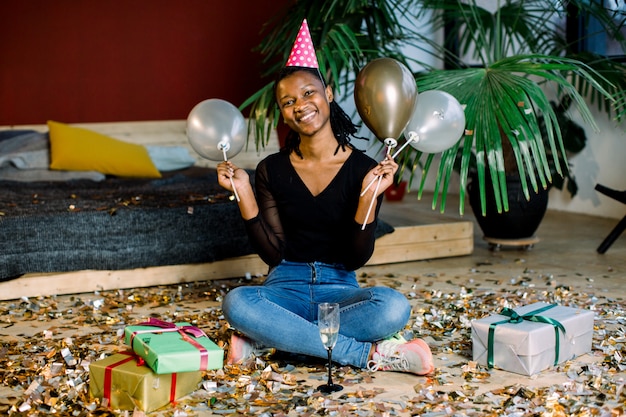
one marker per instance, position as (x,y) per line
(516,318)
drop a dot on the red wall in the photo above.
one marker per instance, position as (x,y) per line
(98,61)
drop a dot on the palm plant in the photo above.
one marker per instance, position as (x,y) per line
(519,56)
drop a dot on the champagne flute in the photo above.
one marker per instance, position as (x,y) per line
(328,323)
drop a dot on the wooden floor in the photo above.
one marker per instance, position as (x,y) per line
(566,247)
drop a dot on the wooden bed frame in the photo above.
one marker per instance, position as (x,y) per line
(406,243)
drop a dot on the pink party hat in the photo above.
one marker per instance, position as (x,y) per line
(302,53)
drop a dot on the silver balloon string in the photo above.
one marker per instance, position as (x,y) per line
(225,146)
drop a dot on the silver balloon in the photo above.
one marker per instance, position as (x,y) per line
(437,123)
(385,93)
(216,129)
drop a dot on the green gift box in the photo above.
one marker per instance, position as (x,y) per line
(173,347)
(126,384)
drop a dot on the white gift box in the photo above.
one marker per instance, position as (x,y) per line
(527,347)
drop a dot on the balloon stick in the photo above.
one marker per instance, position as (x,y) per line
(412,138)
(369,209)
(391,143)
(224,147)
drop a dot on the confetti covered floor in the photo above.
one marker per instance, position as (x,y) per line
(48,342)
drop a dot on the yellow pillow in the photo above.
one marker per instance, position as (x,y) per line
(78,149)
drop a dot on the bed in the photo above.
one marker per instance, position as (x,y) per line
(117,223)
(78,230)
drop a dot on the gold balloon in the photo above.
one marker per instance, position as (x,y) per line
(385,94)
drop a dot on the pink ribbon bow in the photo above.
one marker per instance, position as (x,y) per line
(172,327)
(184,331)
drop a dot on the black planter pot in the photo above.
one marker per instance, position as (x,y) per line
(520,222)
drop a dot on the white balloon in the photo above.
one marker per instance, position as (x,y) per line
(215,126)
(437,123)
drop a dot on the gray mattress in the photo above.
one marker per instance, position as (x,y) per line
(182,218)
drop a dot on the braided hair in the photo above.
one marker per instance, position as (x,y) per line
(343,127)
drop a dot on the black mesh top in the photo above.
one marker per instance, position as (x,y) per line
(296,226)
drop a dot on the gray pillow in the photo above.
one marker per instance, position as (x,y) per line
(29,150)
(25,156)
(382,228)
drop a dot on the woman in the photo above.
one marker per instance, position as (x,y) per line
(306,222)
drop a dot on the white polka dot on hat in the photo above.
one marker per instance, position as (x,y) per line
(302,53)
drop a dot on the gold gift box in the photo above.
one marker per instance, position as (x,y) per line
(127,385)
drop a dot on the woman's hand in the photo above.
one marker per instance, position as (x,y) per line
(374,184)
(386,170)
(227,170)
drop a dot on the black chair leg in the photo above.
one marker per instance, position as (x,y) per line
(612,237)
(614,194)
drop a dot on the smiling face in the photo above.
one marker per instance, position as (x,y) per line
(304,102)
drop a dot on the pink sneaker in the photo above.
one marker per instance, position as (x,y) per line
(242,349)
(397,354)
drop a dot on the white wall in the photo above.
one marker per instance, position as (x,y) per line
(603,161)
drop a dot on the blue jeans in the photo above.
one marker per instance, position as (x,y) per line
(282,313)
